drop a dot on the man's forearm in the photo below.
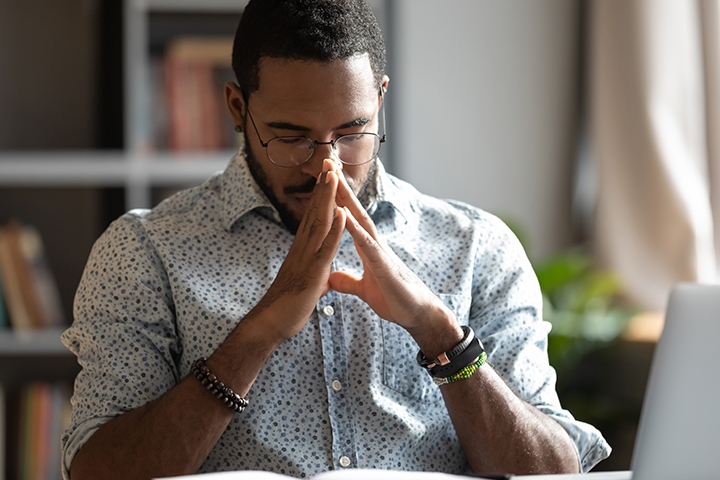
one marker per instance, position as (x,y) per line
(173,434)
(500,433)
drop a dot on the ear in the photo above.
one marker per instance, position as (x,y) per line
(384,84)
(235,103)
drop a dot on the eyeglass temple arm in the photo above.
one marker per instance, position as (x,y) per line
(382,107)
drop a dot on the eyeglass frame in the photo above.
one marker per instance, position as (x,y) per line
(315,143)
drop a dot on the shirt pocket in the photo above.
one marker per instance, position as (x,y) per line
(401,371)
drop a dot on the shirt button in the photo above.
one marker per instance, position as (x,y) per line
(337,386)
(328,310)
(344,461)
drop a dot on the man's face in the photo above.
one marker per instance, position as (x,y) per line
(318,100)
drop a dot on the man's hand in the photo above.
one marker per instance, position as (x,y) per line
(389,287)
(303,276)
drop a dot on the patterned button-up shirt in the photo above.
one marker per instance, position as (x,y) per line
(166,286)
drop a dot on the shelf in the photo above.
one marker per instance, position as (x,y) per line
(34,355)
(62,169)
(92,169)
(44,342)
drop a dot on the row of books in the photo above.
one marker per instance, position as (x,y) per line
(43,414)
(29,297)
(188,105)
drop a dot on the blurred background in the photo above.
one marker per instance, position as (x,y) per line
(589,126)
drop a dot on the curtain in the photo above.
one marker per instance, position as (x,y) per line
(654,115)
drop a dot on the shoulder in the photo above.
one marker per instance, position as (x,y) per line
(451,215)
(186,206)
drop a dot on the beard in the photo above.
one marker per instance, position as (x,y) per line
(287,217)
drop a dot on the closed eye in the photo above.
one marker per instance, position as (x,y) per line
(291,140)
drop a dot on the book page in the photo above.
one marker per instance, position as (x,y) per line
(349,474)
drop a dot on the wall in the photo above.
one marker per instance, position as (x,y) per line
(486,97)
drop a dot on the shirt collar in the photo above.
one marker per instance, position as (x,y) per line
(241,194)
(387,190)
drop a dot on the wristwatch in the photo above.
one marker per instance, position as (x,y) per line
(451,362)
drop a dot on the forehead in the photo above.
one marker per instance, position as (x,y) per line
(287,85)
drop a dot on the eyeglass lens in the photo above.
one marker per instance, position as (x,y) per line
(354,149)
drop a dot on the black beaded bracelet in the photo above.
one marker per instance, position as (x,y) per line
(216,387)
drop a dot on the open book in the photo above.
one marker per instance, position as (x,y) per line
(349,474)
(371,474)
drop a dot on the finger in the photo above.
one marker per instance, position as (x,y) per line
(332,163)
(344,282)
(319,217)
(332,240)
(345,197)
(367,246)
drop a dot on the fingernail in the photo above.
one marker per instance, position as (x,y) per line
(327,177)
(319,178)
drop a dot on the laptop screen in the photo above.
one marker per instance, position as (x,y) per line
(679,431)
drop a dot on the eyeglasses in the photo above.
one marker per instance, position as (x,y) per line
(351,149)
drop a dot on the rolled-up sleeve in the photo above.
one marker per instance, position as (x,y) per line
(123,334)
(507,314)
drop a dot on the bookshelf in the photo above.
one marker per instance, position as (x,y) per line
(72,189)
(34,355)
(32,361)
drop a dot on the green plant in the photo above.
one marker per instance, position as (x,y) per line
(582,304)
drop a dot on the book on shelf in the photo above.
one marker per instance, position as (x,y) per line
(44,412)
(188,91)
(28,286)
(3,432)
(3,311)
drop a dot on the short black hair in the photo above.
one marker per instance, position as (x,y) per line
(322,30)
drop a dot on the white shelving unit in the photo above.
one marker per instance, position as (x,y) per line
(44,342)
(90,169)
(145,170)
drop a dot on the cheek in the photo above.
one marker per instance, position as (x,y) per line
(356,177)
(353,181)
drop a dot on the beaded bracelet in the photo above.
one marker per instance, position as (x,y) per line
(466,372)
(216,387)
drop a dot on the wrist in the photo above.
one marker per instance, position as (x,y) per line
(439,333)
(273,323)
(244,352)
(458,363)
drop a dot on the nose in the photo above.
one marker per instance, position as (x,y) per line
(322,151)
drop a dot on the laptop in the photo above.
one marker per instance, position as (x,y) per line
(679,432)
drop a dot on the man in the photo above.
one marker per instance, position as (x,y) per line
(309,279)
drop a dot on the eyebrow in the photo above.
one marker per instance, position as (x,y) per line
(358,122)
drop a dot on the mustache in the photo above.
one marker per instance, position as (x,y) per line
(306,187)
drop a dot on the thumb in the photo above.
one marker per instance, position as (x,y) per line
(344,282)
